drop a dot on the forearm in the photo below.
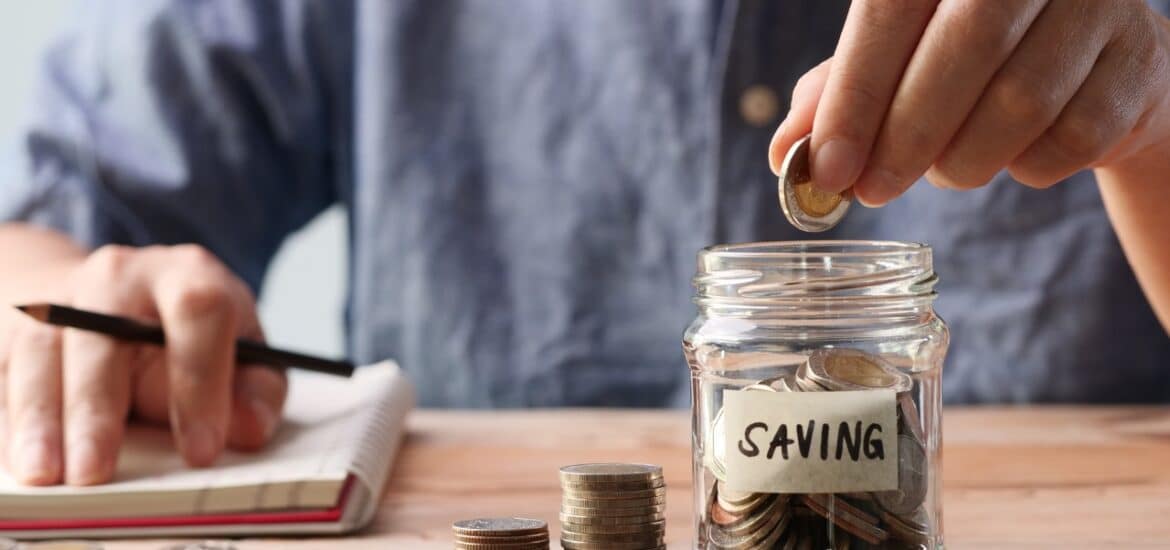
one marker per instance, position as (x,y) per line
(33,260)
(1137,198)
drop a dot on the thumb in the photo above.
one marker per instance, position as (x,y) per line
(805,97)
(257,401)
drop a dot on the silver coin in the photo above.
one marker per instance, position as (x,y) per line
(804,381)
(499,526)
(911,529)
(911,491)
(736,501)
(714,456)
(804,205)
(752,529)
(847,517)
(611,472)
(908,413)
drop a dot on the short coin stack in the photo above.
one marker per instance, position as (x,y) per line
(613,507)
(501,534)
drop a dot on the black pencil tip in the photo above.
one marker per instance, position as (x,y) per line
(39,312)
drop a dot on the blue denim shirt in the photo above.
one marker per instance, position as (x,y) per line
(529,181)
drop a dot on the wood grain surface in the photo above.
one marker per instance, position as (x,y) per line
(1053,477)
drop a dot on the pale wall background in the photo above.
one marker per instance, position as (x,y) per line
(301,306)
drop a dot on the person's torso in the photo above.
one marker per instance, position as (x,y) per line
(532,181)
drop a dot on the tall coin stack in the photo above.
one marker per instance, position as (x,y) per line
(501,534)
(613,507)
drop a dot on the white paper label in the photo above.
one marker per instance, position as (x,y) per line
(810,442)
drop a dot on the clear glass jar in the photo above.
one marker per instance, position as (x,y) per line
(785,332)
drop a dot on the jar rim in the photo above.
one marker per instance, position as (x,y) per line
(829,277)
(818,248)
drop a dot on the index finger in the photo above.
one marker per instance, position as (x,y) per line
(875,46)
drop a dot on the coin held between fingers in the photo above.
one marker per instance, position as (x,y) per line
(805,205)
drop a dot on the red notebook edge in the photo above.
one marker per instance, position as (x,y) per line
(326,515)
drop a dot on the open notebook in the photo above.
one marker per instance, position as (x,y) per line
(322,473)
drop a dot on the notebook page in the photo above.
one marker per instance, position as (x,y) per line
(304,466)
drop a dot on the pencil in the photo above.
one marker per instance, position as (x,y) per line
(122,328)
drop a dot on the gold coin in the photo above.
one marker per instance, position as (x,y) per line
(815,201)
(804,205)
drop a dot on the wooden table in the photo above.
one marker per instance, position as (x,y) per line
(1068,477)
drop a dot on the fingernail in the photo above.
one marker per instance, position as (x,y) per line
(37,464)
(835,165)
(776,157)
(85,465)
(265,416)
(200,443)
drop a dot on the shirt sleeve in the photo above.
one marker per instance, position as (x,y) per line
(213,122)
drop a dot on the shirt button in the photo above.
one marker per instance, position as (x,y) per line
(758,105)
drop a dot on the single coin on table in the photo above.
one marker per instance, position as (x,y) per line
(805,205)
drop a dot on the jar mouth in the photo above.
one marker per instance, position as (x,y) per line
(829,273)
(817,249)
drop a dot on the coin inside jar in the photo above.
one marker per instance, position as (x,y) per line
(805,205)
(848,369)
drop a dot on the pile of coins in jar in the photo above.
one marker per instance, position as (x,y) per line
(867,520)
(613,506)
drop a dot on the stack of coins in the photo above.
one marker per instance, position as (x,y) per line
(886,519)
(613,507)
(501,534)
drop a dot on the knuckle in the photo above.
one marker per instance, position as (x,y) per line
(886,14)
(1081,138)
(200,299)
(193,255)
(109,262)
(1020,100)
(989,24)
(857,91)
(39,336)
(904,133)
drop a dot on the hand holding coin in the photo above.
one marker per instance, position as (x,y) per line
(959,91)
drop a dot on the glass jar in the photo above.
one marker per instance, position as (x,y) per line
(816,407)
